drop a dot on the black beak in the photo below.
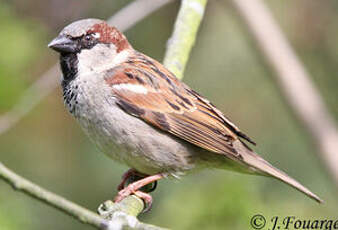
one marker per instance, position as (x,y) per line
(63,44)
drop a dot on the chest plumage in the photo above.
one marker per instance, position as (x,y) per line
(118,134)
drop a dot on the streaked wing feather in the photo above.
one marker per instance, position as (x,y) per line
(171,106)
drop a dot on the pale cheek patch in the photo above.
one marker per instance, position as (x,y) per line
(131,87)
(96,35)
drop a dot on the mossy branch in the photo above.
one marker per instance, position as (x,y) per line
(183,38)
(21,184)
(112,216)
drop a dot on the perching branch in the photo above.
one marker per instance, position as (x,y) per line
(43,86)
(183,37)
(113,216)
(21,184)
(293,79)
(123,215)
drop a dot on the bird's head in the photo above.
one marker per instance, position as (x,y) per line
(86,34)
(89,45)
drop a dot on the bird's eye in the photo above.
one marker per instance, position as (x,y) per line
(88,41)
(88,37)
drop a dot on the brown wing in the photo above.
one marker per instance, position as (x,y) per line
(145,89)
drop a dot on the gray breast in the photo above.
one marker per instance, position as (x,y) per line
(121,136)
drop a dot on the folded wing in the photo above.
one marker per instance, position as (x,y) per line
(171,106)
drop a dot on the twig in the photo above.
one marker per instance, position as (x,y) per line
(21,184)
(138,10)
(48,81)
(121,215)
(183,37)
(30,98)
(293,79)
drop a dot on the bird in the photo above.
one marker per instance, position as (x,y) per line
(138,113)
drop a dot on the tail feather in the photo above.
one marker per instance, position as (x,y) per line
(263,167)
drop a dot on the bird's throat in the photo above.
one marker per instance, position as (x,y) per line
(69,67)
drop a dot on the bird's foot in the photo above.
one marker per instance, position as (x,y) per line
(147,199)
(134,188)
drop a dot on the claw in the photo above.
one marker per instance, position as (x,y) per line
(124,193)
(134,187)
(147,199)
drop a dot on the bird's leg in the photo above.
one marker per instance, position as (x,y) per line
(127,175)
(134,187)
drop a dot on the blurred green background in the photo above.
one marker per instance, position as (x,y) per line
(49,148)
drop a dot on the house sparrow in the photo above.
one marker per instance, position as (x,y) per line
(140,114)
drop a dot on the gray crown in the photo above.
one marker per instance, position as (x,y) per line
(80,27)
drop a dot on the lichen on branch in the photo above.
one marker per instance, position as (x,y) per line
(184,35)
